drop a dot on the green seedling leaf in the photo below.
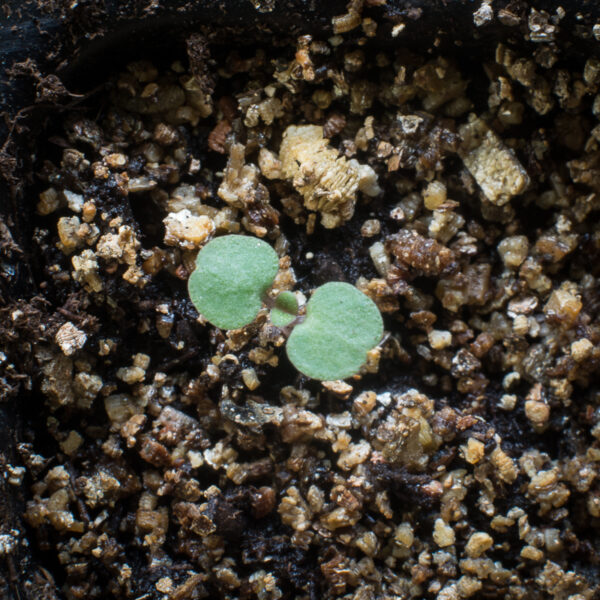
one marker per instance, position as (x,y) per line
(342,324)
(232,274)
(285,310)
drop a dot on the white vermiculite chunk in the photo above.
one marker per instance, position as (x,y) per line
(494,166)
(325,179)
(70,338)
(187,230)
(513,250)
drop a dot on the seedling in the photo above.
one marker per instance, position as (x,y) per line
(232,276)
(285,310)
(330,341)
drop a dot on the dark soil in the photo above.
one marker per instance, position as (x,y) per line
(39,298)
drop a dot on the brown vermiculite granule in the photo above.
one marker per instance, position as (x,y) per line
(185,462)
